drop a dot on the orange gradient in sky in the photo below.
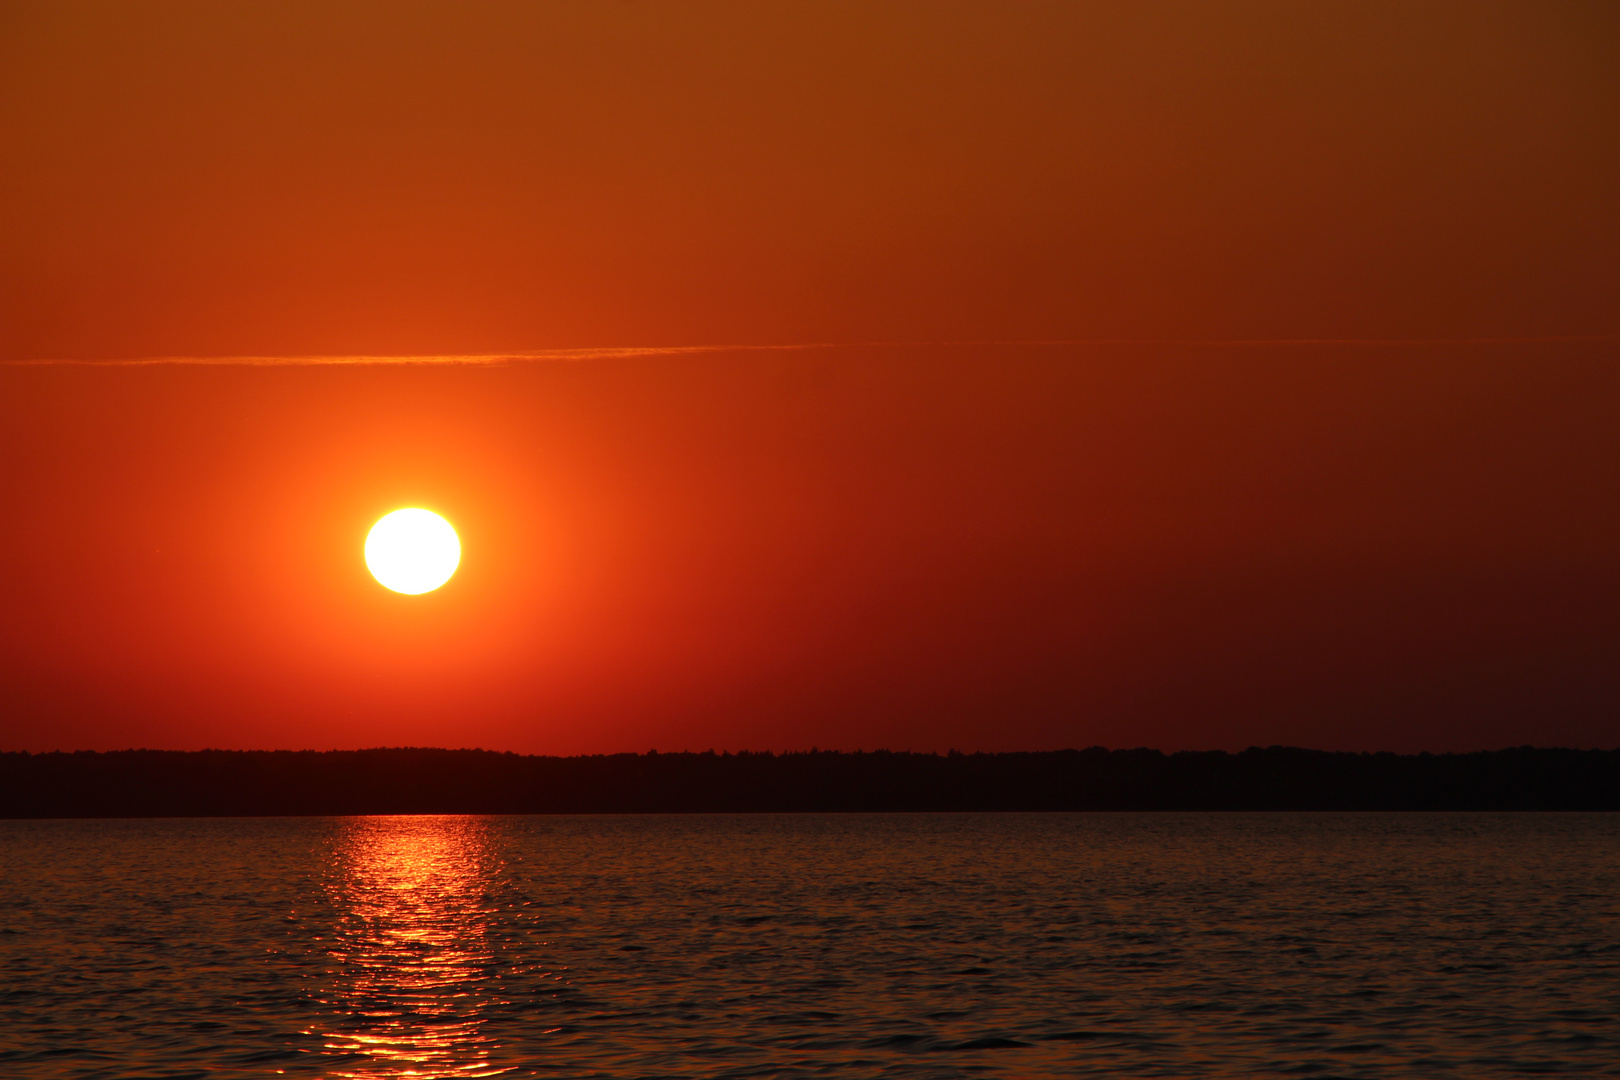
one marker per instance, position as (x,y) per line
(983,547)
(185,177)
(987,545)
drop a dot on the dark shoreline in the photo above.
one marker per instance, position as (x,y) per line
(250,783)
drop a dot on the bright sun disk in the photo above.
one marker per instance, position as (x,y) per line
(412,551)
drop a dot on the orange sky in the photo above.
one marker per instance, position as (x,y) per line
(397,177)
(921,545)
(925,546)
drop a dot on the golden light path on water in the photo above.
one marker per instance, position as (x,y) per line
(414,964)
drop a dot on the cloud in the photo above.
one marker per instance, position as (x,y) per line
(614,353)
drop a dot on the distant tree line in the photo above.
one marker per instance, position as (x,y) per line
(162,783)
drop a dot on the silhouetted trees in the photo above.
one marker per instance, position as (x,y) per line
(160,783)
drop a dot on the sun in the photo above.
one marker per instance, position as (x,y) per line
(412,551)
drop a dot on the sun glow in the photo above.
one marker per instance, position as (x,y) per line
(412,551)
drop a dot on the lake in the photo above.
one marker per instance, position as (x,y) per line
(788,946)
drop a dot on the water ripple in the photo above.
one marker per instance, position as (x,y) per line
(905,946)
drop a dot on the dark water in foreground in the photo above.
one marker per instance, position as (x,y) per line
(1350,945)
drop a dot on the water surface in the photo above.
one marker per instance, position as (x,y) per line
(1039,945)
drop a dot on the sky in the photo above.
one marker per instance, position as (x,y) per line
(928,375)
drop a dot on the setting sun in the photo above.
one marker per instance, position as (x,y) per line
(412,551)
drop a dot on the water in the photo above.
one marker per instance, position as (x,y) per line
(1342,945)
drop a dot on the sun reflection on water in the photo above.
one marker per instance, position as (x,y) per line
(414,962)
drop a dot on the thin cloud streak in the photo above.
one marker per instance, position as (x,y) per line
(546,356)
(580,355)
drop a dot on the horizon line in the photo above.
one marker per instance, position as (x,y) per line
(577,355)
